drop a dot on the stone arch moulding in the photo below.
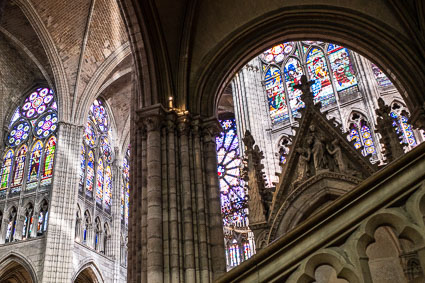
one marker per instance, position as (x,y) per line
(20,259)
(394,218)
(332,257)
(361,33)
(150,71)
(91,265)
(60,78)
(91,91)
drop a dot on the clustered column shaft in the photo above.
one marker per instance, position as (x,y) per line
(175,200)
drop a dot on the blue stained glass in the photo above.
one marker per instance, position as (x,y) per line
(99,185)
(318,71)
(341,66)
(99,116)
(19,133)
(90,135)
(108,188)
(403,128)
(381,78)
(37,103)
(354,135)
(276,95)
(90,174)
(82,168)
(46,125)
(233,197)
(369,147)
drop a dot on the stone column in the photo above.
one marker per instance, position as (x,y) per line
(218,263)
(113,243)
(175,229)
(172,200)
(152,120)
(200,201)
(61,223)
(186,193)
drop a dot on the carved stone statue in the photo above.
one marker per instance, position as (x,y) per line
(305,156)
(319,154)
(337,155)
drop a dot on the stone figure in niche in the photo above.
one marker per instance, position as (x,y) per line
(337,155)
(305,156)
(319,154)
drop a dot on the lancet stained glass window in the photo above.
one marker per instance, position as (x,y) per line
(96,158)
(125,198)
(276,95)
(402,127)
(318,71)
(327,64)
(361,134)
(32,128)
(34,166)
(380,77)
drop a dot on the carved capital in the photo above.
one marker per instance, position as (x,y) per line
(171,121)
(196,125)
(151,117)
(210,129)
(183,123)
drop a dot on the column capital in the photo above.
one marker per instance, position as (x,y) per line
(183,123)
(171,118)
(151,117)
(196,125)
(211,128)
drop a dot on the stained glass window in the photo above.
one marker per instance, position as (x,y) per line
(6,170)
(34,121)
(96,157)
(49,157)
(293,72)
(19,166)
(90,174)
(380,77)
(108,188)
(361,134)
(99,185)
(233,196)
(354,135)
(276,95)
(277,53)
(46,125)
(37,103)
(403,128)
(125,201)
(341,66)
(318,71)
(34,166)
(99,116)
(82,169)
(19,133)
(369,147)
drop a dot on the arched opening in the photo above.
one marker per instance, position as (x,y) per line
(14,272)
(86,276)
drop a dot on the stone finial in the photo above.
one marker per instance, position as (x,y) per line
(389,138)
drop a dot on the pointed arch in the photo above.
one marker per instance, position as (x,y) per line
(88,272)
(14,265)
(361,133)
